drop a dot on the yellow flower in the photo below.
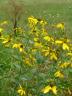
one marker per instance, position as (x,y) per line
(47,38)
(64,65)
(58,42)
(35,39)
(54,89)
(21,49)
(19,46)
(42,22)
(65,46)
(21,91)
(37,44)
(1,29)
(33,21)
(6,40)
(53,56)
(15,46)
(60,26)
(46,89)
(59,74)
(46,52)
(27,61)
(69,54)
(49,88)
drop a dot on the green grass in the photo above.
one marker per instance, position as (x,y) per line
(51,10)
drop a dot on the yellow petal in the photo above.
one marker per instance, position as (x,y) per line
(21,49)
(21,91)
(15,46)
(1,29)
(53,56)
(35,39)
(60,25)
(54,89)
(4,42)
(58,42)
(59,74)
(46,89)
(37,44)
(65,46)
(65,65)
(47,38)
(69,54)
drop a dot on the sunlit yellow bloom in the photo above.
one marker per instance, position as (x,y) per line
(59,74)
(58,42)
(21,91)
(64,65)
(15,46)
(36,39)
(1,29)
(42,22)
(54,89)
(47,38)
(32,21)
(65,46)
(19,46)
(46,89)
(60,26)
(27,61)
(21,49)
(7,40)
(53,56)
(46,52)
(49,88)
(67,40)
(36,44)
(69,54)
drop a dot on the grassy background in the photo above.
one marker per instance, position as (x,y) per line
(53,11)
